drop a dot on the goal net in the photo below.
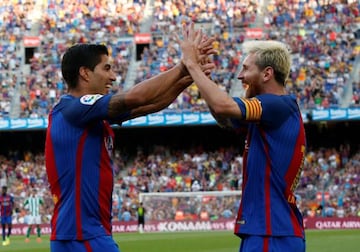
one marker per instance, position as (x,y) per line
(187,211)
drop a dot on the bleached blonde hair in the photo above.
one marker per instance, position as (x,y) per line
(271,53)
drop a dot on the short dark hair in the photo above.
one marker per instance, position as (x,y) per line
(87,55)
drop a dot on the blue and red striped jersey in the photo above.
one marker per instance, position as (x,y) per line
(272,164)
(6,205)
(78,149)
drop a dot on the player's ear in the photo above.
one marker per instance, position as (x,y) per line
(84,72)
(268,73)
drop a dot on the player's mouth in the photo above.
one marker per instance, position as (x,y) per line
(108,86)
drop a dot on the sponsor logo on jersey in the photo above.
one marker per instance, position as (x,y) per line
(90,99)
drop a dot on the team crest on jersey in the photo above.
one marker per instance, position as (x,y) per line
(109,144)
(55,199)
(90,99)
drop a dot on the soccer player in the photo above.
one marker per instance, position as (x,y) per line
(7,206)
(80,142)
(268,218)
(33,204)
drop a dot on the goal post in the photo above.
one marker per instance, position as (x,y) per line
(184,211)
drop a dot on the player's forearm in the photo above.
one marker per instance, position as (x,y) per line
(169,95)
(146,92)
(223,122)
(151,89)
(208,89)
(164,99)
(221,104)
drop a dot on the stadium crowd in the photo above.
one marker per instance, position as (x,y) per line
(333,172)
(59,25)
(322,36)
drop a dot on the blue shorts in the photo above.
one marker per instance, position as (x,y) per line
(6,220)
(272,244)
(97,244)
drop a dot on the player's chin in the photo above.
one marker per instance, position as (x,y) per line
(248,93)
(107,89)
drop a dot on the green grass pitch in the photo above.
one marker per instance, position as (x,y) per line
(223,241)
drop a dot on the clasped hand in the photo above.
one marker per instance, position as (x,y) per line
(196,48)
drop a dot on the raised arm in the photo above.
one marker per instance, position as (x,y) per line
(163,99)
(219,102)
(147,91)
(158,92)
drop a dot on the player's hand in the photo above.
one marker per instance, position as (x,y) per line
(206,47)
(196,47)
(206,50)
(207,66)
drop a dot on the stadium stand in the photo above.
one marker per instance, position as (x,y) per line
(172,159)
(323,38)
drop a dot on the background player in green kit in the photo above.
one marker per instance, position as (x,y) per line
(33,205)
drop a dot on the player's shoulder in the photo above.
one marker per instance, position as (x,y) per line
(63,101)
(281,101)
(275,97)
(84,100)
(68,102)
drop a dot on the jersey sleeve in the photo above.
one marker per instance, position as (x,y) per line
(83,110)
(267,109)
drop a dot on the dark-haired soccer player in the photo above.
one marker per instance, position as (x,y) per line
(6,210)
(268,217)
(80,141)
